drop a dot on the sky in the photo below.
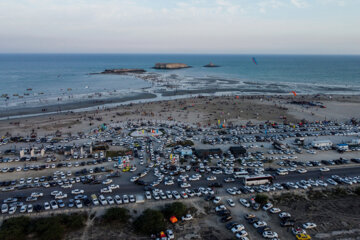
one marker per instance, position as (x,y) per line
(185,26)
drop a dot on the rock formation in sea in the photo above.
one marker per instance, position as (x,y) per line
(211,65)
(170,66)
(123,71)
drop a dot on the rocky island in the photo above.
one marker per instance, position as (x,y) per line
(211,65)
(123,71)
(170,66)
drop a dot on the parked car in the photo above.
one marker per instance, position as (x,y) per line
(309,225)
(187,217)
(267,206)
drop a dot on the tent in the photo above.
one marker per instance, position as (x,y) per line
(173,219)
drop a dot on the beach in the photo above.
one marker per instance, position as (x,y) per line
(200,110)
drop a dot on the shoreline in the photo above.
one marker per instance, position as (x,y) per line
(67,107)
(158,96)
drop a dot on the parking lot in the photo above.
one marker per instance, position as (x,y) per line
(136,162)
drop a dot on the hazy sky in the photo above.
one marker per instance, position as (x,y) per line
(186,26)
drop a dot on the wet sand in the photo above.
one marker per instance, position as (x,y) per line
(61,106)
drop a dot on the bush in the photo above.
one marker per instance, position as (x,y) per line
(289,197)
(47,228)
(340,192)
(54,228)
(150,222)
(15,228)
(262,199)
(73,222)
(116,215)
(176,209)
(357,190)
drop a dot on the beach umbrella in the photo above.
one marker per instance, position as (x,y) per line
(173,219)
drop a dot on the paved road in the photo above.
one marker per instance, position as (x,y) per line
(126,187)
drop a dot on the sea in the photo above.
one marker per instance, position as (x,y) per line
(28,80)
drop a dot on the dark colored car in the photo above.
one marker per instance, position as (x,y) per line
(226,218)
(287,223)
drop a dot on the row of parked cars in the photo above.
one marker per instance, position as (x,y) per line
(11,205)
(285,221)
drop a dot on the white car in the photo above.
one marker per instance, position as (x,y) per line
(302,170)
(125,199)
(105,190)
(31,199)
(148,195)
(132,199)
(231,191)
(217,200)
(102,200)
(117,199)
(4,208)
(275,210)
(67,185)
(37,194)
(77,191)
(114,186)
(187,217)
(270,234)
(309,225)
(267,206)
(211,178)
(110,200)
(169,182)
(220,208)
(107,181)
(244,202)
(61,196)
(185,185)
(12,210)
(176,194)
(231,202)
(134,178)
(284,215)
(30,208)
(324,169)
(23,208)
(78,203)
(46,206)
(54,204)
(54,193)
(237,228)
(170,234)
(260,224)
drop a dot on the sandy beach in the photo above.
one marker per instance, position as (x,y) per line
(200,110)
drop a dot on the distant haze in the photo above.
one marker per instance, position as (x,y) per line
(187,26)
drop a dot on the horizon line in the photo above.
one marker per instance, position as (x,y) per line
(233,54)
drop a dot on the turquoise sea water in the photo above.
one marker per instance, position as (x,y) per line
(53,76)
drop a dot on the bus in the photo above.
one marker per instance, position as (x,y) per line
(257,179)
